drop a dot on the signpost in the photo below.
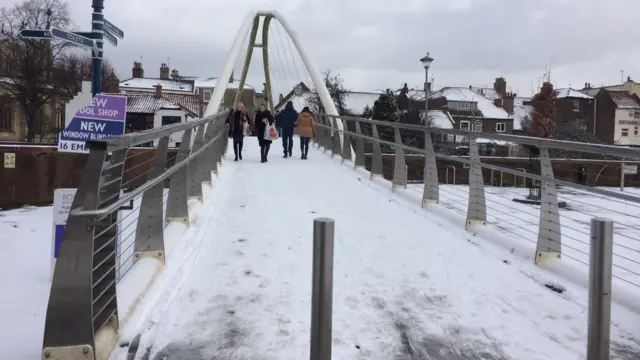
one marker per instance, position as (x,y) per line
(35,34)
(113,29)
(100,29)
(104,117)
(110,38)
(71,37)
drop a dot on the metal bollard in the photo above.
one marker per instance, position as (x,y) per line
(322,289)
(600,278)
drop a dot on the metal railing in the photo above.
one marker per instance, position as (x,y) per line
(100,245)
(609,257)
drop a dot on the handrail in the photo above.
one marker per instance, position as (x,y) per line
(94,250)
(126,198)
(470,162)
(140,137)
(610,150)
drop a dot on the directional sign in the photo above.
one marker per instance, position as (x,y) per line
(103,118)
(113,29)
(71,37)
(34,33)
(112,39)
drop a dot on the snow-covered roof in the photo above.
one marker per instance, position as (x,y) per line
(188,102)
(486,106)
(148,104)
(520,112)
(489,93)
(149,85)
(441,119)
(571,93)
(624,100)
(211,82)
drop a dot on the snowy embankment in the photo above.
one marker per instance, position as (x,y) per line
(25,258)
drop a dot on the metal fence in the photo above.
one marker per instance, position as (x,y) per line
(551,214)
(547,214)
(109,230)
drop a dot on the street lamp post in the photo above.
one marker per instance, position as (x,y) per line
(426,62)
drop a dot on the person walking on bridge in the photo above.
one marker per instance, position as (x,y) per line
(306,130)
(262,122)
(238,124)
(285,120)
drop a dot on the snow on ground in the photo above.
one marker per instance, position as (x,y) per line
(25,258)
(25,265)
(520,222)
(406,285)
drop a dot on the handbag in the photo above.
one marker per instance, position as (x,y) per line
(246,129)
(270,133)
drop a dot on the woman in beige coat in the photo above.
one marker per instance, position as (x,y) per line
(306,130)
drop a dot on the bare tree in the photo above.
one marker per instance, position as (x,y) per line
(335,85)
(74,67)
(27,64)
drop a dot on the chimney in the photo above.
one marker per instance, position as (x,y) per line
(508,102)
(175,75)
(629,79)
(158,91)
(498,102)
(137,72)
(281,98)
(164,71)
(500,86)
(112,85)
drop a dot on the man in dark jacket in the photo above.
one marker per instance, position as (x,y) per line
(285,121)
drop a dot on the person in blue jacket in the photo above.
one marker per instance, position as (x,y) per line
(285,121)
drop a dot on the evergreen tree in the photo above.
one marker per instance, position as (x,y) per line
(544,115)
(385,108)
(367,112)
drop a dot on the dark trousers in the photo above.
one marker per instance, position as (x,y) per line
(265,145)
(287,141)
(238,141)
(304,145)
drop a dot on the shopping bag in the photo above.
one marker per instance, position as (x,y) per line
(246,129)
(270,133)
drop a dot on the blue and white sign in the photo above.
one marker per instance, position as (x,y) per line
(113,29)
(62,202)
(35,34)
(105,117)
(71,37)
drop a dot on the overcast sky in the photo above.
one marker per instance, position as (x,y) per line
(377,44)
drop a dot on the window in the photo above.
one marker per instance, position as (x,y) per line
(635,131)
(636,115)
(168,120)
(477,126)
(624,132)
(464,105)
(207,95)
(465,125)
(576,105)
(5,118)
(501,127)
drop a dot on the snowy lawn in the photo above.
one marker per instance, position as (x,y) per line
(406,283)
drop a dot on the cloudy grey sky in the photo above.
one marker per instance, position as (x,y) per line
(377,43)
